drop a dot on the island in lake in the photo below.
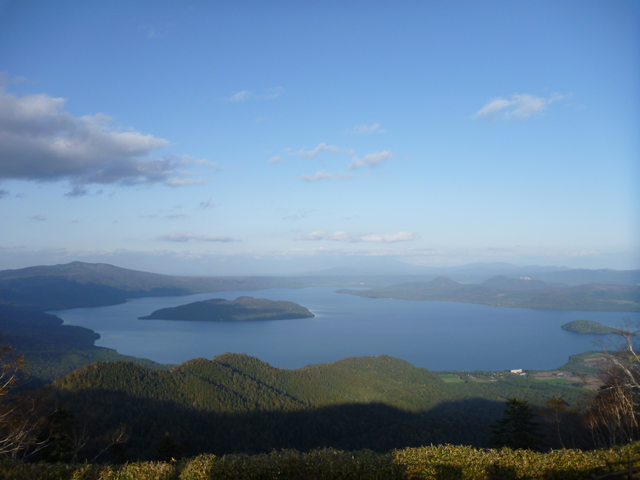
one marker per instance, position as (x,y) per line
(589,327)
(242,309)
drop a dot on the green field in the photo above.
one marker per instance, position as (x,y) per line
(451,378)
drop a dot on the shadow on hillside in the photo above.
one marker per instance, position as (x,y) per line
(373,426)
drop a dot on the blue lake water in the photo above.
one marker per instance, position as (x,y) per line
(434,335)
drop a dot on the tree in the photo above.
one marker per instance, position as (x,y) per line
(614,414)
(566,425)
(21,418)
(517,428)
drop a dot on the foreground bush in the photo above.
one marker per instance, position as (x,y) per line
(438,463)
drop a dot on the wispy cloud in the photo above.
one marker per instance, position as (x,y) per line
(322,175)
(240,96)
(275,159)
(207,204)
(185,181)
(366,129)
(6,79)
(245,95)
(357,238)
(38,218)
(186,237)
(272,93)
(3,193)
(299,216)
(520,106)
(370,160)
(322,147)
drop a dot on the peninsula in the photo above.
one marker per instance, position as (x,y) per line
(242,309)
(587,327)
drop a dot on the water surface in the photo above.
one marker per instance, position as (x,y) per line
(435,335)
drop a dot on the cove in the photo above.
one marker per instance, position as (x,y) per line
(434,335)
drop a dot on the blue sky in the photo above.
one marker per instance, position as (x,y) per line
(283,137)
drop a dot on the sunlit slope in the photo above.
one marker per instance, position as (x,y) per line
(239,403)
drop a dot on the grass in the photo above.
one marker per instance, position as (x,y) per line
(451,378)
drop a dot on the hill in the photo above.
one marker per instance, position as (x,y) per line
(515,293)
(242,309)
(78,284)
(52,349)
(236,403)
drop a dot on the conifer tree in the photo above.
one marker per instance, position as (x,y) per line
(517,427)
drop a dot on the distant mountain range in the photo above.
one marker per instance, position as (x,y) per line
(79,284)
(501,291)
(479,272)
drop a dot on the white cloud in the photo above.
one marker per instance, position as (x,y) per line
(322,147)
(520,106)
(322,175)
(201,162)
(370,160)
(357,238)
(366,129)
(40,141)
(391,238)
(185,237)
(272,93)
(276,159)
(243,95)
(184,181)
(240,96)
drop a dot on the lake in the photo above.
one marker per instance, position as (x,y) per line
(434,335)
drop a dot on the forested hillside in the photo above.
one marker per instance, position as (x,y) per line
(236,403)
(51,349)
(515,293)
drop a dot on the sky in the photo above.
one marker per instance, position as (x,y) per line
(257,138)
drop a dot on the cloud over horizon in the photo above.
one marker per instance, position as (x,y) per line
(518,107)
(185,237)
(357,238)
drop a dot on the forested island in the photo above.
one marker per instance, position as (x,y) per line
(242,309)
(588,327)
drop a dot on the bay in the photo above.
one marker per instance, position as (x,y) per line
(434,335)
